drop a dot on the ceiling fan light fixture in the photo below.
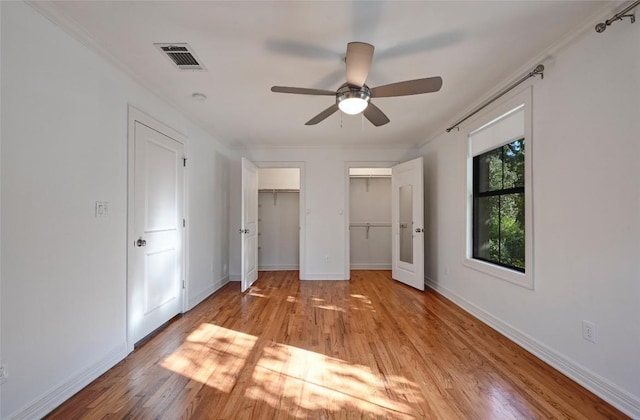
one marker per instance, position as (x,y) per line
(352,106)
(353,100)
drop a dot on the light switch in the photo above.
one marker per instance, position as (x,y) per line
(102,208)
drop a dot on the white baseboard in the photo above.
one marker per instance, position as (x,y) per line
(235,277)
(194,301)
(324,276)
(614,395)
(375,266)
(278,267)
(51,399)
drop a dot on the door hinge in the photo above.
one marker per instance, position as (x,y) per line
(184,284)
(184,161)
(184,223)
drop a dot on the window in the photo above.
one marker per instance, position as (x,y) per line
(498,206)
(499,234)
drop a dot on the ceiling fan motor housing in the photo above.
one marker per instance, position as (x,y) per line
(347,91)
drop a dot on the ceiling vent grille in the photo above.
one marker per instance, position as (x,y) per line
(182,56)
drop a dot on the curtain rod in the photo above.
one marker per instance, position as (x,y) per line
(538,70)
(600,27)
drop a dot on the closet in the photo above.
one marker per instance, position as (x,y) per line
(278,219)
(370,218)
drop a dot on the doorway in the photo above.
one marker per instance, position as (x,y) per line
(278,219)
(384,223)
(370,218)
(281,217)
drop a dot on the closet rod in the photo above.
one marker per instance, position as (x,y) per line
(370,225)
(278,190)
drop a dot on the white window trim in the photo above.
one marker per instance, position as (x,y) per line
(525,279)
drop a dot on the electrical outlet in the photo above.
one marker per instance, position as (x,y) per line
(326,258)
(589,331)
(4,374)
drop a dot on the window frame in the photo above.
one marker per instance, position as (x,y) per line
(512,103)
(477,195)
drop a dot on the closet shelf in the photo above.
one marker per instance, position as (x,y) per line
(368,178)
(275,192)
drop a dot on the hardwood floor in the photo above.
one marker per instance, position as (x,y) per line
(366,348)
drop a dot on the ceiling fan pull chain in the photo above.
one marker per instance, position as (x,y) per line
(341,120)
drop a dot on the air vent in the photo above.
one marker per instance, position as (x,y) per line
(182,56)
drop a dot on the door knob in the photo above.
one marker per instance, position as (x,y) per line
(141,242)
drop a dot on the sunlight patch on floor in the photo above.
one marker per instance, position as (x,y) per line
(212,355)
(331,308)
(302,382)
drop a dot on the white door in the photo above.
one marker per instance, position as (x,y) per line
(249,228)
(156,235)
(407,215)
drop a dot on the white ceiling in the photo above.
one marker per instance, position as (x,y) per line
(247,47)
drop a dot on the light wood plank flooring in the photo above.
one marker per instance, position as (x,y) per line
(366,348)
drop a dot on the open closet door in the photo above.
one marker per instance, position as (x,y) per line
(249,228)
(407,218)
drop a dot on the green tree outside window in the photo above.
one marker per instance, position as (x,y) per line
(498,206)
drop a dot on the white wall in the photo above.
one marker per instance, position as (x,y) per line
(586,210)
(325,182)
(208,216)
(64,146)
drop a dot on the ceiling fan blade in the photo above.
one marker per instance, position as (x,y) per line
(375,115)
(302,91)
(359,56)
(321,116)
(409,87)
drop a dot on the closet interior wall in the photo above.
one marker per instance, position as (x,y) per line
(370,223)
(278,219)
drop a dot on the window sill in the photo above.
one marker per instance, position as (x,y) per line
(521,279)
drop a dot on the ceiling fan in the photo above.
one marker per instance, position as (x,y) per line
(354,96)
